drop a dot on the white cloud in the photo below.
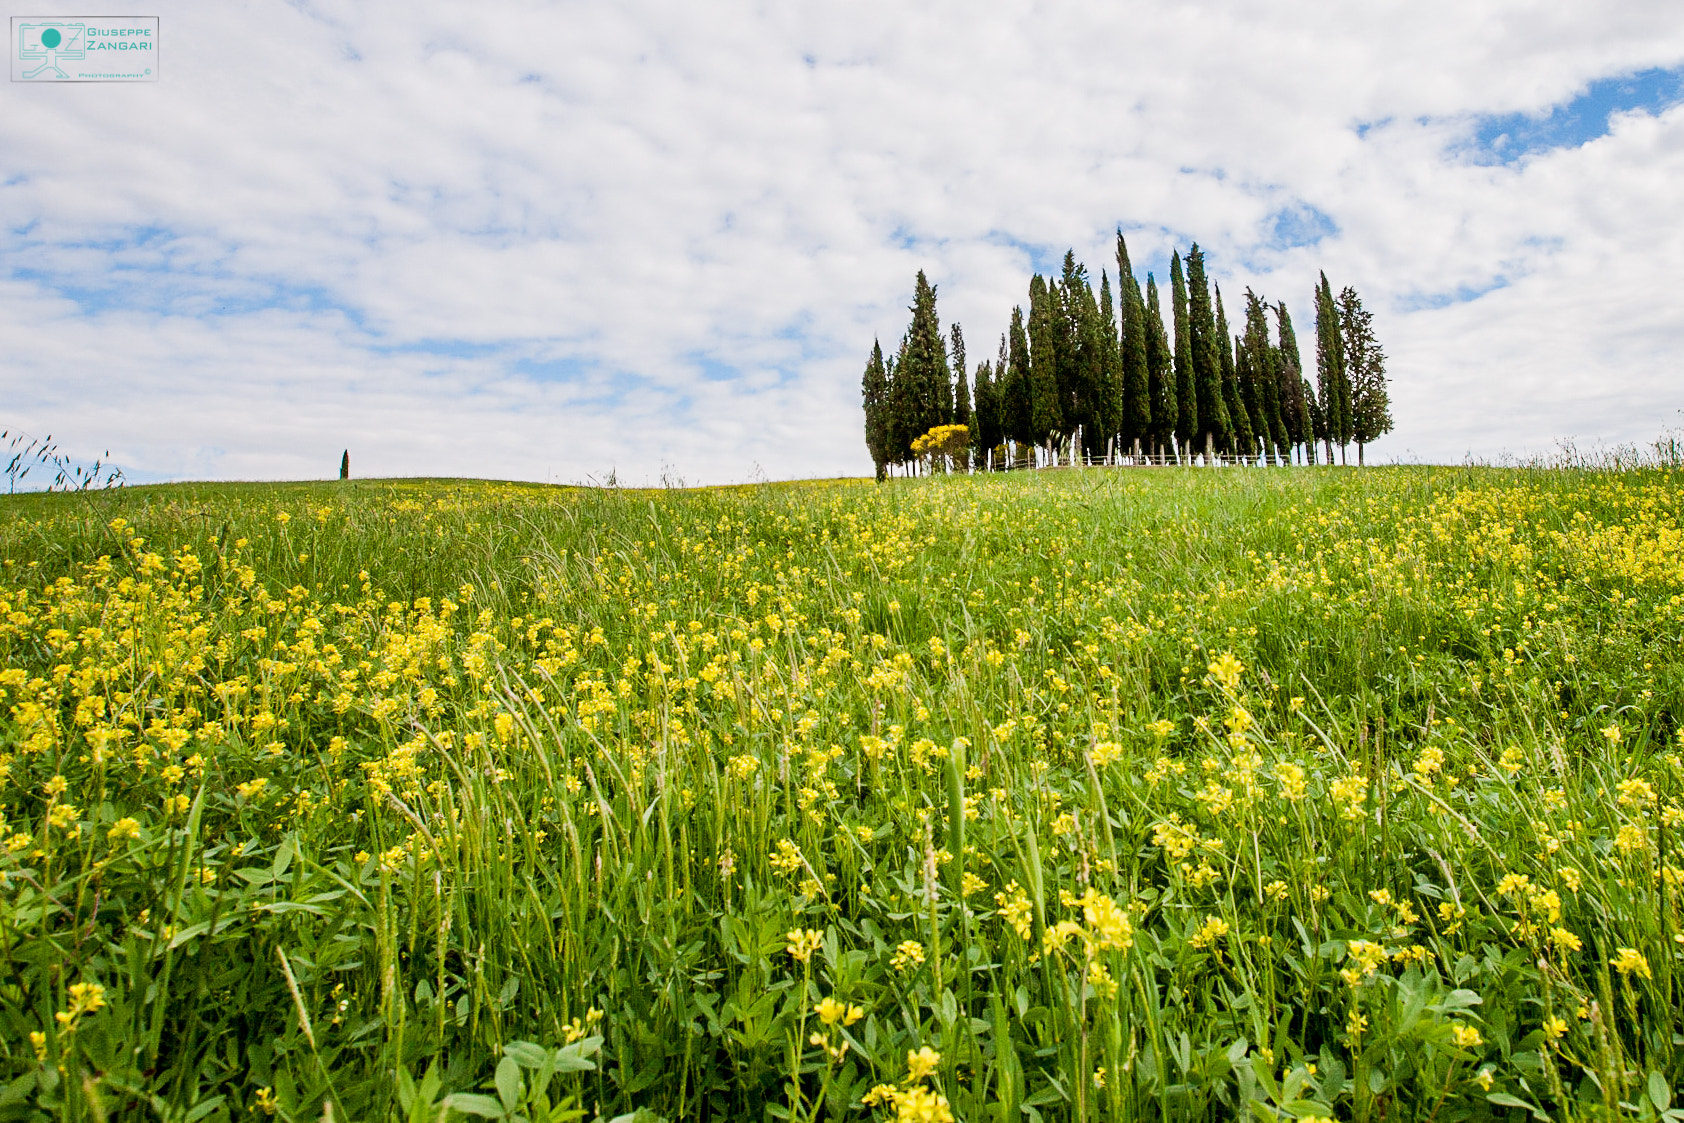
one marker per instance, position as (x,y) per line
(359,224)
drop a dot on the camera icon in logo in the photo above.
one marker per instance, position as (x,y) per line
(50,41)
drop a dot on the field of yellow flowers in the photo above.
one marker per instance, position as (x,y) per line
(1091,795)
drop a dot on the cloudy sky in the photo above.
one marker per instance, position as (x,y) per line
(547,241)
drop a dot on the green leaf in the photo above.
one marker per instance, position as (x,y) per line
(572,1058)
(1503,1099)
(203,1108)
(406,1090)
(1659,1094)
(469,1104)
(526,1054)
(508,1083)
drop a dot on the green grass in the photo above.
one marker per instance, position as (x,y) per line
(1133,794)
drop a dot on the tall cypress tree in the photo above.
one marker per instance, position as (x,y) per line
(1263,392)
(985,428)
(1110,361)
(903,404)
(1365,364)
(1290,372)
(1160,375)
(1046,417)
(1135,424)
(1333,387)
(1187,419)
(1018,411)
(1215,425)
(874,388)
(1242,434)
(925,366)
(961,388)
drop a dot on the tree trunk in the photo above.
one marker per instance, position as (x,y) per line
(1359,454)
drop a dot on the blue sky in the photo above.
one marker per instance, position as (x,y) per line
(544,241)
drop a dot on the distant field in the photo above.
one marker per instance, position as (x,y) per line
(1104,794)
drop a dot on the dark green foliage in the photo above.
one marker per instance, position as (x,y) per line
(1365,366)
(1215,426)
(1242,432)
(1261,361)
(1187,420)
(1137,394)
(1160,375)
(345,465)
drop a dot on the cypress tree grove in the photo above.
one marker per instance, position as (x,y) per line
(1365,364)
(1046,417)
(1215,426)
(1098,373)
(1242,434)
(1160,375)
(874,388)
(1135,424)
(1187,420)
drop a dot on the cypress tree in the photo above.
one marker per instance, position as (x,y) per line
(1110,363)
(903,405)
(345,465)
(1215,425)
(1187,418)
(1135,422)
(1242,434)
(1262,367)
(929,398)
(1016,414)
(1046,418)
(961,387)
(875,390)
(985,413)
(1365,364)
(1332,382)
(1290,371)
(1160,376)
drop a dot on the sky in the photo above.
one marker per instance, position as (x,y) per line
(654,241)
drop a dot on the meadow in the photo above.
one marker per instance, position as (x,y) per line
(1152,794)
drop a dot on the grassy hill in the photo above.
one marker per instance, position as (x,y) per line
(1109,794)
